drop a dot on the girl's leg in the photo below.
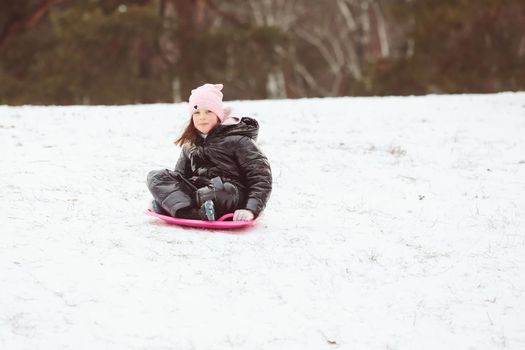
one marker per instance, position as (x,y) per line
(168,191)
(190,213)
(157,208)
(172,197)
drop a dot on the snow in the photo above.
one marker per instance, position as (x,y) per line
(394,223)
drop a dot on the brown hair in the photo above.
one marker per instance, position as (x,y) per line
(189,134)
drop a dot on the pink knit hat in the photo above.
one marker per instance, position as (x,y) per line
(208,96)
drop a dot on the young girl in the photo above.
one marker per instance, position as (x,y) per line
(220,169)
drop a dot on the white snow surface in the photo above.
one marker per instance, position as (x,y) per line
(394,223)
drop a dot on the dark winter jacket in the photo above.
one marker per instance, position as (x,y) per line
(230,152)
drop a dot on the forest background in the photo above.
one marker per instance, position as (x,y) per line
(148,51)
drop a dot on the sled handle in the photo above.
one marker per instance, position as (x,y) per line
(225,217)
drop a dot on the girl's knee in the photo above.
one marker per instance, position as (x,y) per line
(151,175)
(154,176)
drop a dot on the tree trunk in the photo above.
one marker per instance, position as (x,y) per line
(190,17)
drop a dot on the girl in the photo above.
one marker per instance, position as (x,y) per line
(220,168)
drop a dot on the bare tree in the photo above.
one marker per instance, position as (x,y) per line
(346,36)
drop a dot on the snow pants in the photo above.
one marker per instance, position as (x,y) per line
(169,192)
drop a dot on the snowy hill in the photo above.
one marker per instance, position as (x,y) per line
(394,223)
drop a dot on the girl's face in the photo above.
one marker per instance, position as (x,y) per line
(204,120)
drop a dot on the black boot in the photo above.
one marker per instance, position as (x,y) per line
(206,212)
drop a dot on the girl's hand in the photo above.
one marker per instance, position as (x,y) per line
(242,214)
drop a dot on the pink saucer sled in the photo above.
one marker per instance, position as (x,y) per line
(221,223)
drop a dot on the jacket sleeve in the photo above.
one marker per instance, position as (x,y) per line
(257,174)
(183,165)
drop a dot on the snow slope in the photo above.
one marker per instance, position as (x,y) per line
(394,223)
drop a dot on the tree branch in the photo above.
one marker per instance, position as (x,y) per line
(229,16)
(16,25)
